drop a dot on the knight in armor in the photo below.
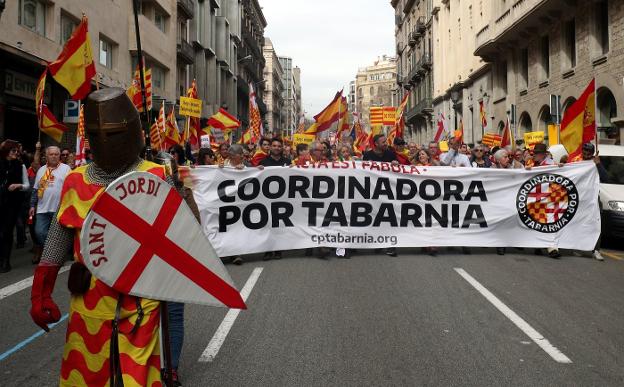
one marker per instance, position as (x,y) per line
(112,338)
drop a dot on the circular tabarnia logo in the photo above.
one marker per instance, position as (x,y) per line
(547,202)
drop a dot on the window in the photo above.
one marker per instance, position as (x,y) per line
(601,22)
(32,15)
(502,79)
(569,43)
(158,77)
(524,68)
(106,53)
(68,24)
(160,20)
(545,57)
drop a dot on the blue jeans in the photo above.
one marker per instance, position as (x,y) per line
(176,331)
(42,225)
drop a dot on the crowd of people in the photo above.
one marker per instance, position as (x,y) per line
(30,190)
(275,151)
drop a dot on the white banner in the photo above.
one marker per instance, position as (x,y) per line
(374,205)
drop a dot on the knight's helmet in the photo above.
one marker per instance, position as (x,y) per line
(113,128)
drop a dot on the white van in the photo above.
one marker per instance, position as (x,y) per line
(612,192)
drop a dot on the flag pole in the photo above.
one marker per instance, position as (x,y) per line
(595,116)
(146,113)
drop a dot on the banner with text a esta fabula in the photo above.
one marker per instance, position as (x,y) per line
(373,205)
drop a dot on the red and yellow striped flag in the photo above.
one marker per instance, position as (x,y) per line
(134,91)
(376,115)
(74,68)
(49,125)
(579,123)
(327,116)
(172,133)
(223,120)
(343,124)
(81,141)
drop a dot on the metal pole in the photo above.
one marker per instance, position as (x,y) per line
(146,112)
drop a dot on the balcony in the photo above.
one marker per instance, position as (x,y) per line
(400,47)
(398,20)
(412,40)
(421,25)
(185,52)
(522,20)
(413,75)
(408,6)
(426,62)
(187,7)
(422,108)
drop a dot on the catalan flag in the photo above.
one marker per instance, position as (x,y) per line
(134,91)
(330,114)
(376,115)
(81,141)
(191,133)
(258,157)
(301,126)
(255,129)
(74,68)
(39,93)
(172,132)
(492,139)
(579,123)
(155,140)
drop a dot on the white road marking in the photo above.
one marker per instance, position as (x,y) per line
(217,340)
(21,285)
(534,335)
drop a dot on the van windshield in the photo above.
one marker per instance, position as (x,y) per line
(615,169)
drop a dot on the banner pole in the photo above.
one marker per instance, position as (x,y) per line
(146,113)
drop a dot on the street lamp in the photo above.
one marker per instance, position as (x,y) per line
(455,98)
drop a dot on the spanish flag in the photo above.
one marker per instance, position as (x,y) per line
(343,124)
(258,157)
(49,125)
(327,116)
(223,120)
(579,123)
(74,68)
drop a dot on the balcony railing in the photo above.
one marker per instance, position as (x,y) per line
(422,107)
(421,25)
(425,61)
(412,39)
(185,52)
(187,7)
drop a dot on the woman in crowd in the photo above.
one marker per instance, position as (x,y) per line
(13,183)
(344,153)
(178,154)
(423,159)
(223,152)
(205,157)
(478,159)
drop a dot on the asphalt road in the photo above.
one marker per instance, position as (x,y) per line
(376,320)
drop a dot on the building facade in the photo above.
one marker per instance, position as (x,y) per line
(376,86)
(33,32)
(251,59)
(298,101)
(415,62)
(273,89)
(536,50)
(290,96)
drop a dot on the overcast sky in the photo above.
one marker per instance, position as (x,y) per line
(329,40)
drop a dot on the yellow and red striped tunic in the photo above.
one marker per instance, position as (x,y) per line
(86,356)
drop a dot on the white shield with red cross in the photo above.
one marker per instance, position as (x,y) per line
(142,239)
